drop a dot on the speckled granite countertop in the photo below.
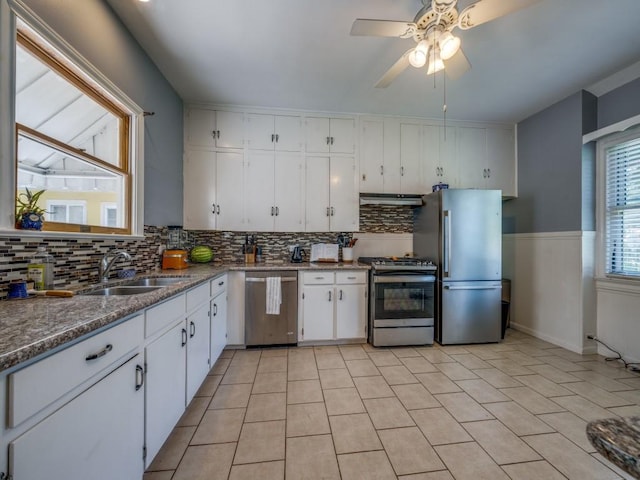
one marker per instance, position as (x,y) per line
(618,439)
(33,326)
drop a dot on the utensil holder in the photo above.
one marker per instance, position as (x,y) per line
(347,254)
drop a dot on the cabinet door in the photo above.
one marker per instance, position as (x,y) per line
(372,156)
(98,435)
(351,308)
(501,161)
(317,312)
(199,190)
(317,135)
(472,157)
(201,126)
(259,185)
(317,201)
(288,193)
(229,129)
(197,349)
(448,157)
(229,191)
(391,155)
(343,134)
(410,158)
(260,133)
(343,193)
(218,326)
(431,156)
(165,387)
(288,133)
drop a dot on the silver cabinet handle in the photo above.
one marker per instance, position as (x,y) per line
(218,209)
(101,353)
(272,211)
(215,309)
(319,278)
(484,173)
(272,137)
(277,137)
(139,375)
(184,337)
(402,171)
(332,211)
(329,295)
(213,205)
(381,169)
(489,172)
(213,134)
(328,211)
(340,294)
(328,140)
(192,329)
(218,134)
(331,140)
(277,211)
(351,278)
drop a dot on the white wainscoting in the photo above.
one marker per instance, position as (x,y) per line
(619,318)
(552,288)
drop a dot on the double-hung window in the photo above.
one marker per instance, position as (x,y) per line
(621,202)
(73,140)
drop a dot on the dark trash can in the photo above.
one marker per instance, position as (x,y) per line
(505,316)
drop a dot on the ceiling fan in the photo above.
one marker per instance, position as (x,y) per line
(431,29)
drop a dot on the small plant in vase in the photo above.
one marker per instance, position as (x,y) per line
(29,216)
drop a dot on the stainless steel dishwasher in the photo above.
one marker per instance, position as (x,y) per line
(261,328)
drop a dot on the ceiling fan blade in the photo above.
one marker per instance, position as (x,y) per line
(383,28)
(395,70)
(486,10)
(456,65)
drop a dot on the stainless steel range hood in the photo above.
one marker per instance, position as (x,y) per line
(394,199)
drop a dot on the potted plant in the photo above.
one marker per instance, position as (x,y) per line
(29,216)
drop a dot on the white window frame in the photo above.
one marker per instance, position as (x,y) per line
(601,204)
(69,203)
(9,9)
(104,208)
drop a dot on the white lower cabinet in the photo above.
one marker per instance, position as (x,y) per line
(97,435)
(165,386)
(332,306)
(198,330)
(218,326)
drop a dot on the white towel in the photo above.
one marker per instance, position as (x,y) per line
(274,295)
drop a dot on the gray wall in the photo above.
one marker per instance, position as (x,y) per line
(619,104)
(550,169)
(94,30)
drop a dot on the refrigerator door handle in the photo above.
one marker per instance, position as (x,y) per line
(447,244)
(473,287)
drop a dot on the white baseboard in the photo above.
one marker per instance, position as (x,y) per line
(556,341)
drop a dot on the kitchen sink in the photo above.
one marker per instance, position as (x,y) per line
(155,282)
(122,290)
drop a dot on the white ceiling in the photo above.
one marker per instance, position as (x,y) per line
(298,54)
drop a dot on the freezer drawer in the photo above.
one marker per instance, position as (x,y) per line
(470,313)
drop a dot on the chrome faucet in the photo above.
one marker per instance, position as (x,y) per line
(106,264)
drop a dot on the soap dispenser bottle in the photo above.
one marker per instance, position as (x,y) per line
(40,270)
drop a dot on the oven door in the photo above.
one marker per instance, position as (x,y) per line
(402,299)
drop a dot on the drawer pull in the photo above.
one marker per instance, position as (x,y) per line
(319,278)
(139,377)
(220,283)
(351,278)
(101,353)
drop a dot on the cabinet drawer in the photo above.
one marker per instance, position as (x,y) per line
(318,278)
(218,284)
(36,386)
(160,316)
(197,296)
(351,277)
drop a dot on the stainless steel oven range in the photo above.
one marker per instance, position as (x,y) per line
(402,301)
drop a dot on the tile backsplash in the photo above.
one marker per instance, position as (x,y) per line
(76,259)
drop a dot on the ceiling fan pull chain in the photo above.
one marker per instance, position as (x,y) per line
(444,103)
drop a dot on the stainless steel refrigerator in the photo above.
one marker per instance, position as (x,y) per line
(461,232)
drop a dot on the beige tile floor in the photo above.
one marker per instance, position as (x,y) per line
(515,410)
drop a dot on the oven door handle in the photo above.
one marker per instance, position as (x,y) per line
(404,278)
(473,287)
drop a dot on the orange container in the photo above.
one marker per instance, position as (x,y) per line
(174,260)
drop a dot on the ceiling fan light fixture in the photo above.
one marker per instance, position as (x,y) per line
(418,57)
(435,64)
(449,45)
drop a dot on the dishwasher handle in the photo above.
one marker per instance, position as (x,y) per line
(263,280)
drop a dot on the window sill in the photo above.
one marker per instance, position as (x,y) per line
(618,284)
(12,233)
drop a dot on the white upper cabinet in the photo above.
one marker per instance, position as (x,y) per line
(281,133)
(372,156)
(332,203)
(448,168)
(330,135)
(410,159)
(440,161)
(472,157)
(214,129)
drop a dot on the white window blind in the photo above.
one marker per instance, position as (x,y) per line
(623,208)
